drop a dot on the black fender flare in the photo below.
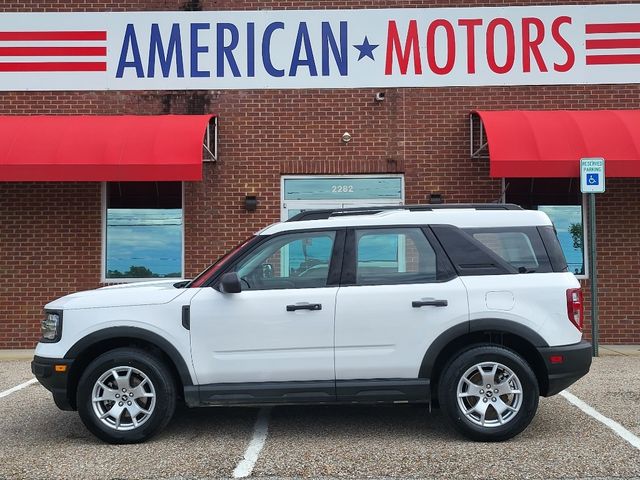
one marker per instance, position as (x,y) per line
(137,334)
(494,325)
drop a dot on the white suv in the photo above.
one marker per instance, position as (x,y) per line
(469,307)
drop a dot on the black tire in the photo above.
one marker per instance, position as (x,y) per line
(156,396)
(489,426)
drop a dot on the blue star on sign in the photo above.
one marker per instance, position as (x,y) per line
(366,49)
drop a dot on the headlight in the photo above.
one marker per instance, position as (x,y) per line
(51,327)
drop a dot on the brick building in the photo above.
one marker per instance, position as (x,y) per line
(413,146)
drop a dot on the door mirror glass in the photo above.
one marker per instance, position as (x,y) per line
(230,283)
(267,270)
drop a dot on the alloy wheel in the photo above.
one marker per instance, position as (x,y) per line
(123,398)
(489,394)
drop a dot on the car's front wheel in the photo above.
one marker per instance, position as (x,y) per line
(126,395)
(489,393)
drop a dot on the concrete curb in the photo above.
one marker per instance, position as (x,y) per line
(619,350)
(16,355)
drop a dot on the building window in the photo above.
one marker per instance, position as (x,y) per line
(143,230)
(302,193)
(561,200)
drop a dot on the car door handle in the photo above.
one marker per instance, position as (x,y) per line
(429,303)
(304,306)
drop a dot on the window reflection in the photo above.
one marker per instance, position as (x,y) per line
(568,222)
(143,230)
(561,200)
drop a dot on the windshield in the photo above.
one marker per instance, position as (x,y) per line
(211,270)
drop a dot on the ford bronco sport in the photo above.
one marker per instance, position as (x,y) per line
(469,307)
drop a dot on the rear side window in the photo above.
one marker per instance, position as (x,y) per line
(521,247)
(394,256)
(552,244)
(468,255)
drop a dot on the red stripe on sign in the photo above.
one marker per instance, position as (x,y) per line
(613,43)
(612,28)
(53,51)
(40,36)
(613,59)
(53,66)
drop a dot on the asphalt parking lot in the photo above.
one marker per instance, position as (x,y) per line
(39,441)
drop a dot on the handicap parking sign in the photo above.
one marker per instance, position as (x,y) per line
(592,175)
(593,179)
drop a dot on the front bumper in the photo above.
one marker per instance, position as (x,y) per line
(54,381)
(576,361)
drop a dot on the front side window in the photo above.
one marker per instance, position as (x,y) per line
(394,256)
(143,230)
(561,200)
(299,260)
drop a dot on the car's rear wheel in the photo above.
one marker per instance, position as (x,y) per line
(489,393)
(126,395)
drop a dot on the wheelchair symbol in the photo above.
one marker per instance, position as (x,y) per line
(593,178)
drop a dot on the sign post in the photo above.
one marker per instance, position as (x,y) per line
(592,179)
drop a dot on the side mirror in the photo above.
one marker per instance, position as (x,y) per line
(230,283)
(267,270)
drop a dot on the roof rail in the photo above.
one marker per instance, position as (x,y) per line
(340,212)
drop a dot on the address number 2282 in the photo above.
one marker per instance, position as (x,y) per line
(341,188)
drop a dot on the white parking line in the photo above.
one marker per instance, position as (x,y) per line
(245,467)
(18,387)
(612,424)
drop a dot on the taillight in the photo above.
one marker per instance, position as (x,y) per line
(574,307)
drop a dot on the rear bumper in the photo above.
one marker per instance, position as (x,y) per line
(55,382)
(576,361)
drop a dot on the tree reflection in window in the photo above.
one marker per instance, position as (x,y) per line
(561,200)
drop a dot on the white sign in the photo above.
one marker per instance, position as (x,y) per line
(592,175)
(267,49)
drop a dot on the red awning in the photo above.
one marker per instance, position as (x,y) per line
(101,148)
(551,143)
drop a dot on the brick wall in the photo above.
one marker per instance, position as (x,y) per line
(50,234)
(618,256)
(49,246)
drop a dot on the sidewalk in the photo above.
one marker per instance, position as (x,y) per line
(16,355)
(603,350)
(619,350)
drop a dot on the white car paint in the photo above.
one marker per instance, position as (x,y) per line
(132,294)
(462,218)
(539,302)
(250,337)
(380,335)
(154,308)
